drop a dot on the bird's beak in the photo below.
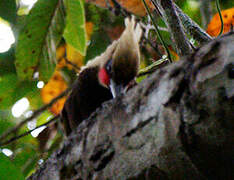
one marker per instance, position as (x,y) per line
(116,89)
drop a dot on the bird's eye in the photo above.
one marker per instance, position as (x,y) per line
(108,67)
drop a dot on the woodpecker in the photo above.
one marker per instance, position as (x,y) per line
(104,77)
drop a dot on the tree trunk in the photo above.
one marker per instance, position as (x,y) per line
(176,124)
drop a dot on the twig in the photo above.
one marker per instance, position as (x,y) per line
(117,9)
(145,37)
(154,48)
(35,113)
(149,27)
(122,10)
(72,64)
(175,26)
(151,68)
(220,16)
(125,13)
(158,32)
(191,27)
(28,132)
(69,62)
(113,10)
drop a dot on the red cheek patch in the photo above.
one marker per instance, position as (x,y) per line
(104,77)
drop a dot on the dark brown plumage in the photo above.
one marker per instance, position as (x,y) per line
(104,77)
(87,95)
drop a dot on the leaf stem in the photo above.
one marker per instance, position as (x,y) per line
(151,68)
(15,138)
(158,32)
(220,15)
(36,113)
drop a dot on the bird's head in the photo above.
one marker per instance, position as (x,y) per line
(119,64)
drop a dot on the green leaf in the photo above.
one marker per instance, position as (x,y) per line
(8,86)
(12,90)
(26,155)
(8,10)
(36,48)
(6,120)
(98,45)
(8,171)
(74,32)
(7,62)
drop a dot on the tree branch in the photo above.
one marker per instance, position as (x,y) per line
(169,14)
(158,32)
(35,114)
(153,67)
(193,28)
(28,132)
(206,12)
(176,124)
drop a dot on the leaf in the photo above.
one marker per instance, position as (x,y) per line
(73,55)
(8,10)
(36,48)
(8,86)
(8,171)
(12,90)
(74,32)
(214,26)
(98,45)
(7,62)
(133,6)
(53,88)
(26,156)
(57,84)
(6,120)
(68,57)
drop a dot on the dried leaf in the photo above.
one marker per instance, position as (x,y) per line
(134,6)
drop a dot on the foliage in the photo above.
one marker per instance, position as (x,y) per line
(53,41)
(215,24)
(8,170)
(75,25)
(44,25)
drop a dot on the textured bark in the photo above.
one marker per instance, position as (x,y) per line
(192,28)
(174,24)
(206,12)
(177,124)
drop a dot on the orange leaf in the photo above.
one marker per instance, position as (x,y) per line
(214,26)
(53,88)
(133,6)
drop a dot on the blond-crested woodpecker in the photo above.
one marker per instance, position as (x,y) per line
(104,77)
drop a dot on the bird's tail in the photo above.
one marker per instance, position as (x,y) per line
(133,27)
